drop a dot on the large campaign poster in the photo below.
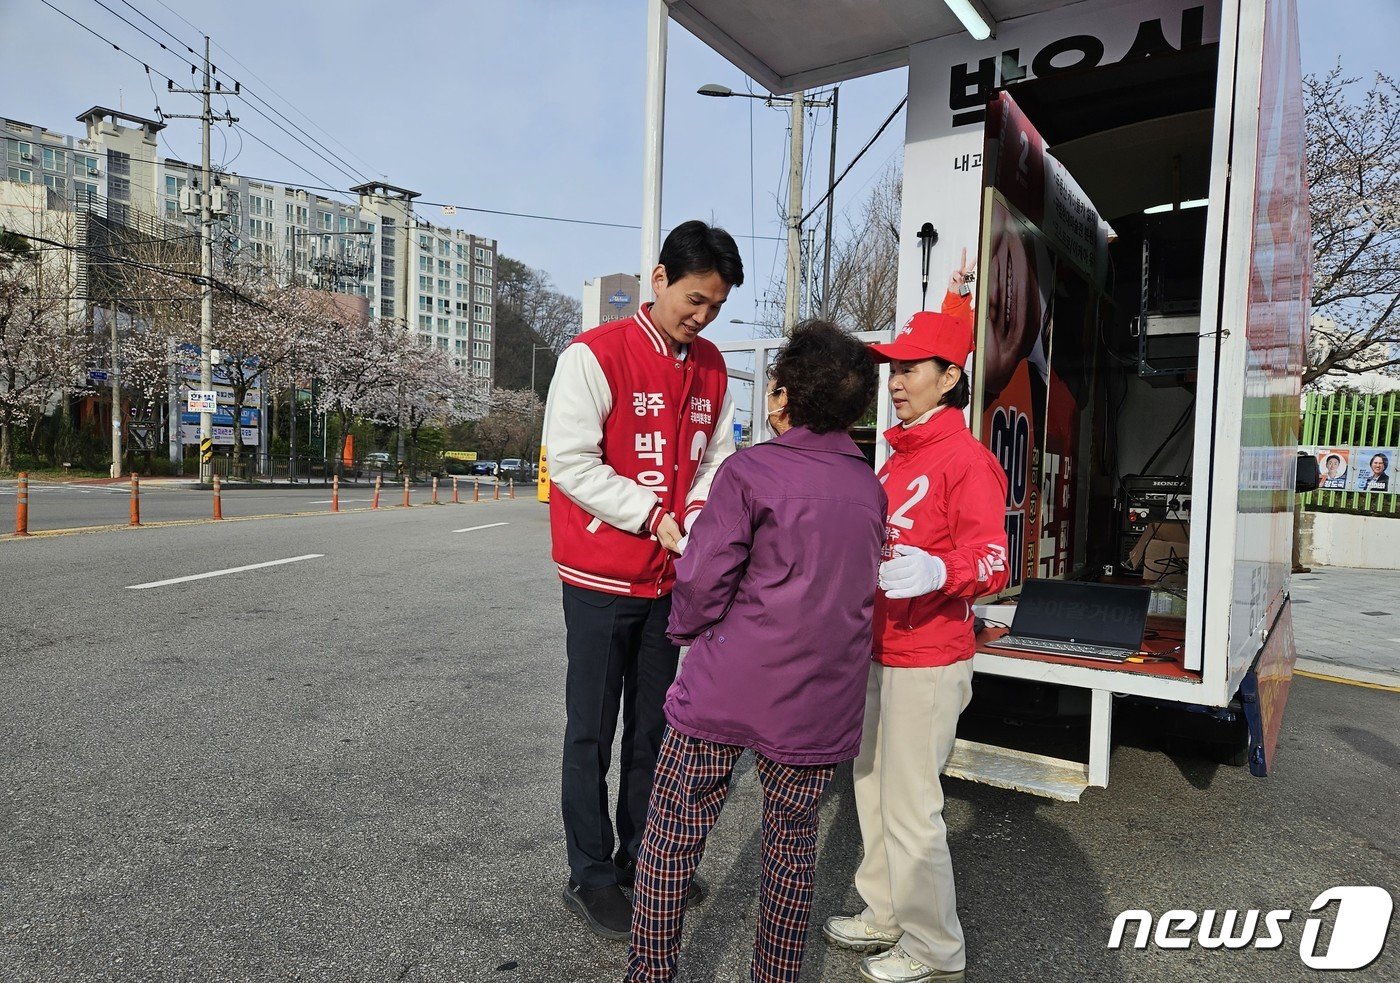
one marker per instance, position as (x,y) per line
(1039,232)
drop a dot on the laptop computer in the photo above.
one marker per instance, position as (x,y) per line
(1077,619)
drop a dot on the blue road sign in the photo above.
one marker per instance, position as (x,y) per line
(97,376)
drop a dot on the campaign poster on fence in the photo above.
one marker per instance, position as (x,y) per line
(1334,463)
(1374,469)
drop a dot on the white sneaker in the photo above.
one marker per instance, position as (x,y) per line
(897,966)
(850,932)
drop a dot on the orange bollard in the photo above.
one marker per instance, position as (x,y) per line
(378,481)
(496,495)
(406,503)
(455,499)
(22,505)
(512,489)
(435,501)
(335,493)
(476,490)
(218,500)
(135,499)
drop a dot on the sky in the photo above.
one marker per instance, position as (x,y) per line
(531,106)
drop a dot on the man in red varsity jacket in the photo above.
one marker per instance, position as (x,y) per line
(638,419)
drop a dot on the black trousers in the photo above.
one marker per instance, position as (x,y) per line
(619,658)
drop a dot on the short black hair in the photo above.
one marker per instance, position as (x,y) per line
(1333,457)
(694,247)
(828,375)
(961,394)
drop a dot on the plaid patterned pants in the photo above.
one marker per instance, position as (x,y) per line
(692,782)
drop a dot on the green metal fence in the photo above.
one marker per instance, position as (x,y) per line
(1356,437)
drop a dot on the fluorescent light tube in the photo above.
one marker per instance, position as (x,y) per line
(971,19)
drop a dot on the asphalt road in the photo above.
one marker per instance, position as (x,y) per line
(68,505)
(346,768)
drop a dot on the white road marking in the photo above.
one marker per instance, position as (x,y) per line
(489,525)
(343,501)
(222,573)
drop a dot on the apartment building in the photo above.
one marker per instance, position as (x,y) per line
(438,281)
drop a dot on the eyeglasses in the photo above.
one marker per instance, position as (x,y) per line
(774,392)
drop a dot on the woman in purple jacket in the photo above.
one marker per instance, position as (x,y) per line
(774,595)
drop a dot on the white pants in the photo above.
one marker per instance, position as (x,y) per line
(906,875)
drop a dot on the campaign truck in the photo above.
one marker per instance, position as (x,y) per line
(1114,192)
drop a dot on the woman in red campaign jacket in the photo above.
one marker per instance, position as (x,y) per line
(945,545)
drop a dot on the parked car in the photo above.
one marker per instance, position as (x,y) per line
(487,468)
(514,467)
(378,461)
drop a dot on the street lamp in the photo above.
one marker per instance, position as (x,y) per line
(797,102)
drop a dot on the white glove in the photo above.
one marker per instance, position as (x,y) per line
(912,573)
(680,547)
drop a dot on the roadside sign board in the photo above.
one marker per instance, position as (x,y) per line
(96,375)
(204,401)
(460,455)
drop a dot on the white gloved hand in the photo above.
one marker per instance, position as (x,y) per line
(912,573)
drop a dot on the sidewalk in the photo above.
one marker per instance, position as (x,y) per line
(1346,618)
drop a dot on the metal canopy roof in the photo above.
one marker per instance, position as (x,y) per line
(788,45)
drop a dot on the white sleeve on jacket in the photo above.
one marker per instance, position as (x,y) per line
(721,445)
(579,401)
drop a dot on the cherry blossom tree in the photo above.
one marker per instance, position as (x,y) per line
(1353,160)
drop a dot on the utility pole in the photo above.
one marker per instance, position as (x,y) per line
(792,282)
(206,256)
(830,209)
(115,380)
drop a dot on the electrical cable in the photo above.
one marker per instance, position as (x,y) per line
(868,144)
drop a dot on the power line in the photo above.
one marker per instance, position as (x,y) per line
(352,172)
(868,144)
(143,32)
(114,45)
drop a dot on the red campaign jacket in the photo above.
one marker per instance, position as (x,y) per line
(947,496)
(658,444)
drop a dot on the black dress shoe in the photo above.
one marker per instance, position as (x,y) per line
(606,909)
(627,874)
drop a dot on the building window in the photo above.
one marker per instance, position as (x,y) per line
(425,322)
(460,347)
(386,266)
(481,369)
(386,307)
(425,304)
(444,268)
(462,290)
(462,270)
(119,163)
(55,160)
(425,264)
(481,349)
(482,293)
(481,312)
(386,246)
(327,220)
(483,274)
(444,306)
(19,174)
(444,287)
(444,247)
(482,256)
(118,187)
(424,339)
(462,310)
(85,162)
(442,343)
(442,325)
(482,331)
(83,191)
(20,153)
(461,327)
(425,283)
(461,250)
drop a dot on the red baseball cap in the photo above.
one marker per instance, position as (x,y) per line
(928,334)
